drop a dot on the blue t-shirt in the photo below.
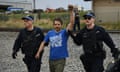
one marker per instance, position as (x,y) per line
(58,44)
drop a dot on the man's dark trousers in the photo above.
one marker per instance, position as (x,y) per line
(32,64)
(92,63)
(77,24)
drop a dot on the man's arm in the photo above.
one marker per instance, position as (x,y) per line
(40,50)
(77,38)
(108,40)
(71,24)
(17,46)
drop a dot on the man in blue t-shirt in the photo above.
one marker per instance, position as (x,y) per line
(57,39)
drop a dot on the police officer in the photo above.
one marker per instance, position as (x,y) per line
(29,40)
(92,37)
(77,20)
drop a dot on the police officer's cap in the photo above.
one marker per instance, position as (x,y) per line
(28,18)
(91,14)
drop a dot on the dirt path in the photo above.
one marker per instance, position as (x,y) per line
(7,64)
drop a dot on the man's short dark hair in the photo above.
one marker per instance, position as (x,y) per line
(58,19)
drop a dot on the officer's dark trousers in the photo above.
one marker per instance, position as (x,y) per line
(77,24)
(92,63)
(33,65)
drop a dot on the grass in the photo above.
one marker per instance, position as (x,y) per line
(14,21)
(111,26)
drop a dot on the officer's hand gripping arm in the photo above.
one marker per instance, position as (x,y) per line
(76,38)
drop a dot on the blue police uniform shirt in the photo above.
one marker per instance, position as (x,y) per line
(58,44)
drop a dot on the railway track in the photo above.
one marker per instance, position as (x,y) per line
(45,30)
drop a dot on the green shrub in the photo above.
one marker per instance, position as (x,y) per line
(3,17)
(46,20)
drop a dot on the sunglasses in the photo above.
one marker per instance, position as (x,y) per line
(26,20)
(87,18)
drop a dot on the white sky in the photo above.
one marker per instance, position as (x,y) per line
(43,4)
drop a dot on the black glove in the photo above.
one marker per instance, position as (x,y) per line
(115,53)
(71,33)
(14,54)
